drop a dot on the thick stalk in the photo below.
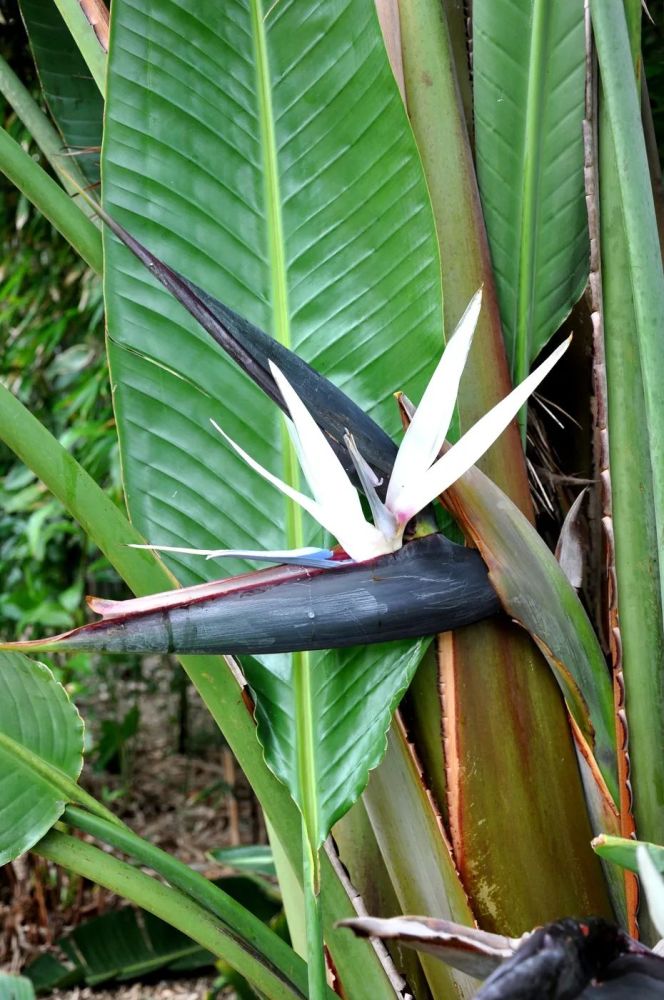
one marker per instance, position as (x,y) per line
(46,195)
(621,101)
(637,564)
(168,904)
(494,718)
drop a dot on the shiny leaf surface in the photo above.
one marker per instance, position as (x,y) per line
(38,723)
(528,72)
(263,152)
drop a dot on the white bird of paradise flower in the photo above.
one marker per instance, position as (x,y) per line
(418,476)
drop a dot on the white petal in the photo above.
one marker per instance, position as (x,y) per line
(425,435)
(338,503)
(472,445)
(307,555)
(305,502)
(324,472)
(653,883)
(383,518)
(171,548)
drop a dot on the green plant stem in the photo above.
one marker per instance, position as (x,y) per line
(532,157)
(51,200)
(304,722)
(146,574)
(42,131)
(243,925)
(313,921)
(644,254)
(88,44)
(168,904)
(637,563)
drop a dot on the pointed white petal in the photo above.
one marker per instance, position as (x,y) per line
(324,472)
(172,548)
(304,552)
(338,503)
(305,502)
(383,518)
(425,435)
(472,445)
(653,883)
(307,556)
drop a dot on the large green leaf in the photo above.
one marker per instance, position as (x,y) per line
(267,157)
(37,720)
(529,71)
(70,92)
(355,695)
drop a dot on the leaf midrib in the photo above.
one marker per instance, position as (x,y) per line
(533,140)
(304,736)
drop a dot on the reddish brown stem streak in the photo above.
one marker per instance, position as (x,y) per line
(97,14)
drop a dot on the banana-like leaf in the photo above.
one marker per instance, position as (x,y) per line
(38,723)
(304,213)
(71,93)
(428,586)
(264,152)
(528,73)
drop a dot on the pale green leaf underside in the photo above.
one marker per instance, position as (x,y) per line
(35,713)
(528,67)
(266,155)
